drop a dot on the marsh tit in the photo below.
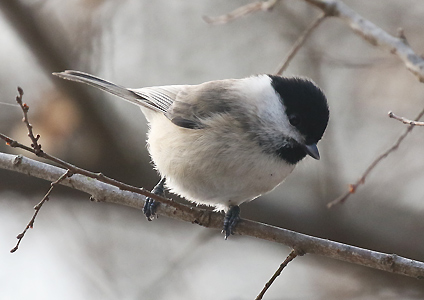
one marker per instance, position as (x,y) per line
(225,142)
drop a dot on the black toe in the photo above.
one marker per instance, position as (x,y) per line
(150,206)
(230,221)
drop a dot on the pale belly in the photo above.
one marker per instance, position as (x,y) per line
(213,168)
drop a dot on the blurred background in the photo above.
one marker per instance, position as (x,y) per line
(84,250)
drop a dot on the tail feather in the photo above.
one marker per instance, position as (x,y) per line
(107,86)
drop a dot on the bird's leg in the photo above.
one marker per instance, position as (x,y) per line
(230,221)
(150,205)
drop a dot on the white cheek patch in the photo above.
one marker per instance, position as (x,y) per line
(269,108)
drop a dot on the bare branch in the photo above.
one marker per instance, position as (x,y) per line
(374,34)
(302,243)
(353,187)
(76,170)
(38,206)
(25,108)
(377,37)
(299,43)
(241,12)
(36,149)
(293,254)
(404,120)
(361,26)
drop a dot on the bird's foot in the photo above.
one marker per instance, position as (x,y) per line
(151,205)
(230,221)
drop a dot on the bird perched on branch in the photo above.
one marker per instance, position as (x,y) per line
(225,142)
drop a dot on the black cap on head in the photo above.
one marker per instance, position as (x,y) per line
(306,107)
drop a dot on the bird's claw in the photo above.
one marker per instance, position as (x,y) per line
(231,219)
(150,206)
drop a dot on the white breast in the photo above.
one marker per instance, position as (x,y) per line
(213,167)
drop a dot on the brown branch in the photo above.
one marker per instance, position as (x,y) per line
(299,43)
(404,120)
(293,254)
(36,149)
(110,190)
(353,187)
(374,34)
(302,243)
(361,26)
(241,12)
(38,207)
(377,37)
(77,170)
(25,109)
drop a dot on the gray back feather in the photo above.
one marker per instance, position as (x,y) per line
(184,105)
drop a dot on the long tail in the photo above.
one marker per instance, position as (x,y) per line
(104,85)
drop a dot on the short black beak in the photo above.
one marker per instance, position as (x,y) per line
(312,150)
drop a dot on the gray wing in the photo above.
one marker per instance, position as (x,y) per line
(185,105)
(195,103)
(158,99)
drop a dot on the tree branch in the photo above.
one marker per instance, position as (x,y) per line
(38,207)
(404,120)
(292,255)
(374,34)
(361,26)
(299,43)
(241,12)
(103,192)
(354,186)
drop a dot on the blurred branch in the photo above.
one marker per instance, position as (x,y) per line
(374,34)
(299,43)
(104,192)
(241,12)
(377,37)
(353,187)
(404,120)
(22,18)
(361,26)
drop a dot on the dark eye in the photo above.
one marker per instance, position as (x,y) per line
(294,120)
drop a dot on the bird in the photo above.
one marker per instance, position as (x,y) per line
(225,142)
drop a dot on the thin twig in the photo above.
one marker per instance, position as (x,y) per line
(241,11)
(293,254)
(404,120)
(36,149)
(299,43)
(353,187)
(25,108)
(38,207)
(77,170)
(9,104)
